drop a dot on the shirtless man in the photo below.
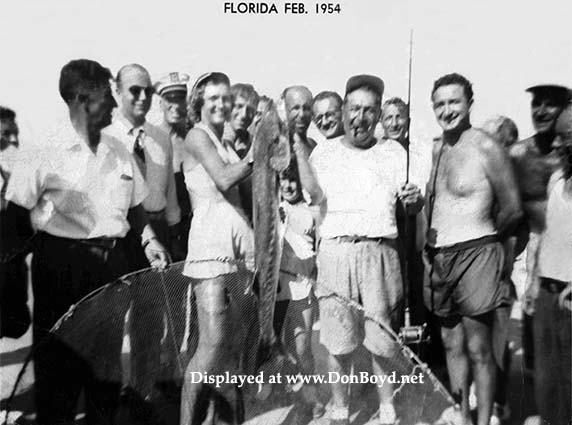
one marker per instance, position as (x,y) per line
(465,257)
(534,160)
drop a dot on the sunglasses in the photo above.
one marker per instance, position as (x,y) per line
(136,91)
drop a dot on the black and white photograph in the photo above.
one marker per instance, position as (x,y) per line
(286,212)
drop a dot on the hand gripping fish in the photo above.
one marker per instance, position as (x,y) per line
(271,151)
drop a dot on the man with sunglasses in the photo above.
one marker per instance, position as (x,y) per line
(153,153)
(327,114)
(81,195)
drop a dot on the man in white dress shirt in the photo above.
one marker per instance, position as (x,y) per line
(82,195)
(152,150)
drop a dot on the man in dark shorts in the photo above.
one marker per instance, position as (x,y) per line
(465,258)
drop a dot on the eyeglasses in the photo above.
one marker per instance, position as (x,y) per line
(136,91)
(328,116)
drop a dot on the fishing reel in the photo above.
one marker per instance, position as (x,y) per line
(410,334)
(414,334)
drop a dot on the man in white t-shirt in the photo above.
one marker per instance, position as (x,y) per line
(553,304)
(361,179)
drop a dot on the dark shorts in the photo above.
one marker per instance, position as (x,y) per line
(465,279)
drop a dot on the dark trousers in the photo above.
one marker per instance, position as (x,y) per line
(552,355)
(15,316)
(154,303)
(85,351)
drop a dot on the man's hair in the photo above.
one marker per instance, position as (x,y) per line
(7,114)
(119,77)
(328,95)
(398,102)
(502,129)
(246,91)
(196,97)
(287,89)
(454,78)
(371,89)
(81,75)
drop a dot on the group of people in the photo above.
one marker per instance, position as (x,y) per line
(114,194)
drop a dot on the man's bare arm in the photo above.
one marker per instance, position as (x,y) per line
(499,171)
(307,176)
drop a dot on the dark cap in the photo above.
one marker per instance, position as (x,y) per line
(371,81)
(211,76)
(556,91)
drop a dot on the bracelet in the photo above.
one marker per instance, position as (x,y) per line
(147,241)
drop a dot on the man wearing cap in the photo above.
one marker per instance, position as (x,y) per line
(172,89)
(359,180)
(327,114)
(553,304)
(473,208)
(153,153)
(82,195)
(534,160)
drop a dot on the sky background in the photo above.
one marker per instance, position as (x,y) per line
(501,46)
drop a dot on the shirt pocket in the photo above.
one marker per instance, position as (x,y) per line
(120,189)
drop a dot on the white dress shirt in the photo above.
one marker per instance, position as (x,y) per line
(158,165)
(75,193)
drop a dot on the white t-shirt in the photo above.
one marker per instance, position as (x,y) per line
(360,187)
(555,257)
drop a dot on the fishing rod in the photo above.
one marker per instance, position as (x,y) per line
(408,333)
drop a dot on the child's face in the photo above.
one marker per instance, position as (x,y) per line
(290,190)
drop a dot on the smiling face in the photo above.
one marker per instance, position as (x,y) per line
(328,117)
(174,106)
(394,121)
(545,110)
(298,104)
(451,107)
(242,113)
(217,104)
(135,92)
(563,140)
(290,189)
(361,113)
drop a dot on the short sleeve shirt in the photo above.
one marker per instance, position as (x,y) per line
(75,193)
(360,187)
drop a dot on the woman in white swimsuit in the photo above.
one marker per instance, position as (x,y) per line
(219,231)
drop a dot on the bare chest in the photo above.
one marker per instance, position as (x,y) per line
(460,174)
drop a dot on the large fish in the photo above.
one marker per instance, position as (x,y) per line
(271,152)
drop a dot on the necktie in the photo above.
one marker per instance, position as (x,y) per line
(139,151)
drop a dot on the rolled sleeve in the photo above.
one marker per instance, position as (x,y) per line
(25,183)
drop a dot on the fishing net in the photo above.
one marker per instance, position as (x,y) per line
(160,316)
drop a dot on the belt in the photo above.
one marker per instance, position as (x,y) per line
(356,239)
(553,286)
(473,243)
(156,215)
(105,243)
